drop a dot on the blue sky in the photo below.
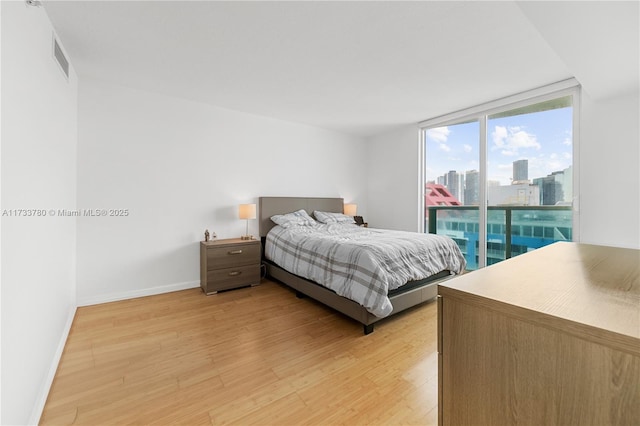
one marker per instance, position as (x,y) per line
(543,138)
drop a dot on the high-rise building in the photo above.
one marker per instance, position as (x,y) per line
(551,188)
(567,186)
(520,171)
(454,182)
(472,188)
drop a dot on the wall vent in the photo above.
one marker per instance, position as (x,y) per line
(60,58)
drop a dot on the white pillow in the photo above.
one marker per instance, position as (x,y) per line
(328,217)
(300,217)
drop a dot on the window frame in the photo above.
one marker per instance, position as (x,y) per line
(570,87)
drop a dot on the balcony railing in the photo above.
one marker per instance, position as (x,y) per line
(511,230)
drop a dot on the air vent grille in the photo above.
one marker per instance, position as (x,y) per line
(60,58)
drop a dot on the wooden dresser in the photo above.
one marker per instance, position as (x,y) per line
(227,264)
(551,337)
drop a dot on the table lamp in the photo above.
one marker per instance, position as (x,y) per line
(247,211)
(350,209)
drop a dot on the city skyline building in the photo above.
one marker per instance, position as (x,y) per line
(454,182)
(519,194)
(554,189)
(520,171)
(439,195)
(472,187)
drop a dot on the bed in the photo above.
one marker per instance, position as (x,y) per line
(407,294)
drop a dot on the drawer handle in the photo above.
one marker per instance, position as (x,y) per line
(235,252)
(234,273)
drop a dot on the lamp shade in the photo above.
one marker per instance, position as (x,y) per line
(247,211)
(350,209)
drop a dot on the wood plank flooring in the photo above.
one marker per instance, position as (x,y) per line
(249,356)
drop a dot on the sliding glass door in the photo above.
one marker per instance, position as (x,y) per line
(500,182)
(529,178)
(452,179)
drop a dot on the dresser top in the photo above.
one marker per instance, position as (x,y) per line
(590,285)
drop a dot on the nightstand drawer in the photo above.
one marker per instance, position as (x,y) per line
(222,279)
(232,255)
(230,263)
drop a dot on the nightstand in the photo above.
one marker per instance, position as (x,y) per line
(227,264)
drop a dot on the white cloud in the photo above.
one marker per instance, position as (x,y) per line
(567,141)
(553,156)
(512,139)
(567,155)
(499,136)
(467,148)
(522,139)
(445,147)
(438,134)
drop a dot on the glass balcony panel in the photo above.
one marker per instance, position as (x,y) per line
(460,224)
(545,225)
(531,228)
(496,248)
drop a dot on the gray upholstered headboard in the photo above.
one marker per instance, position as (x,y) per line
(269,206)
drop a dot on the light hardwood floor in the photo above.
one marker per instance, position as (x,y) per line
(249,356)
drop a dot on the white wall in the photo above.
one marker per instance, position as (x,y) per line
(610,171)
(180,167)
(393,179)
(608,168)
(39,139)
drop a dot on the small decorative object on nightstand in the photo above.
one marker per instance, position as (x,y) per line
(206,235)
(227,264)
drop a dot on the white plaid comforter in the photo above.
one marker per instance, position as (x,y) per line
(362,264)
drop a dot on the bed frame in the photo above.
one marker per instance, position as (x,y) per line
(416,292)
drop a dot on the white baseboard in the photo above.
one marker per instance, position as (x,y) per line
(114,297)
(41,399)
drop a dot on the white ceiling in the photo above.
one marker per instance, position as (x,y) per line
(355,67)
